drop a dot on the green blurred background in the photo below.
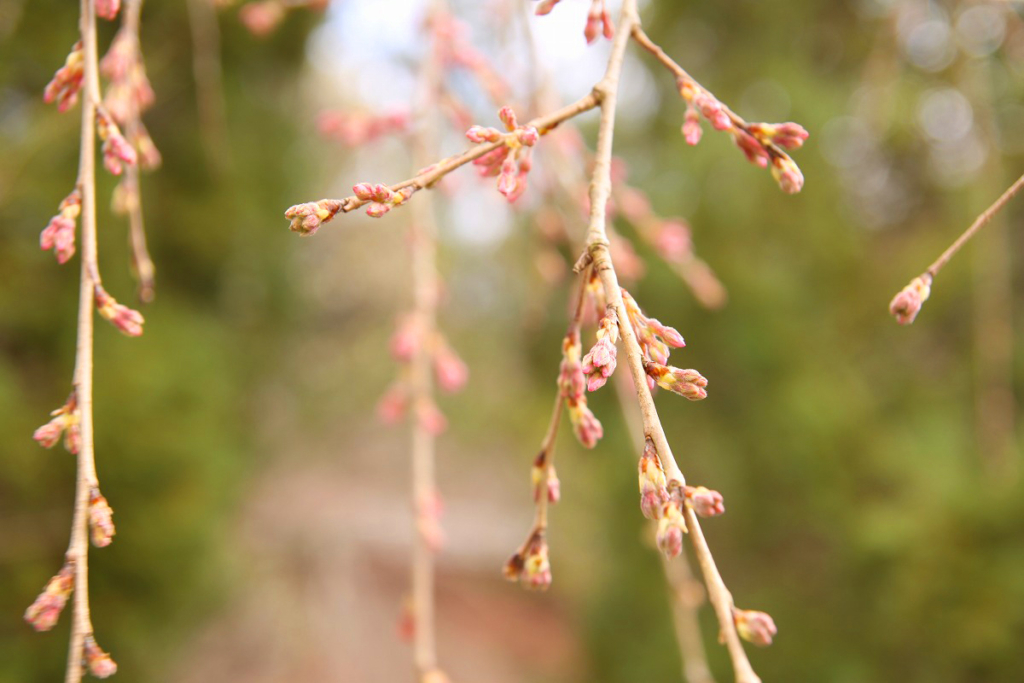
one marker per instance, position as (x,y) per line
(871,472)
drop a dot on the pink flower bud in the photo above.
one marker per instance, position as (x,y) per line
(42,614)
(393,404)
(127,320)
(407,339)
(528,136)
(599,364)
(751,148)
(382,193)
(363,191)
(307,218)
(755,627)
(907,303)
(712,110)
(261,17)
(571,381)
(490,164)
(787,174)
(687,383)
(671,527)
(376,209)
(107,9)
(668,334)
(116,150)
(586,426)
(49,434)
(673,241)
(67,81)
(705,502)
(530,565)
(431,418)
(508,117)
(100,519)
(482,134)
(692,131)
(451,372)
(98,662)
(653,491)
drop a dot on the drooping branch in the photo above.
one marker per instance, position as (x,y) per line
(907,303)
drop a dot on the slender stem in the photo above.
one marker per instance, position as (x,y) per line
(597,252)
(425,287)
(78,548)
(430,175)
(981,221)
(208,75)
(685,590)
(721,600)
(142,264)
(644,41)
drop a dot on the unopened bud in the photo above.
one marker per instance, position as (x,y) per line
(100,519)
(653,491)
(128,320)
(787,174)
(907,303)
(44,612)
(98,662)
(705,502)
(671,527)
(756,627)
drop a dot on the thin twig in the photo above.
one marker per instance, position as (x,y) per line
(981,221)
(208,75)
(597,248)
(682,76)
(430,175)
(425,287)
(142,264)
(685,589)
(78,548)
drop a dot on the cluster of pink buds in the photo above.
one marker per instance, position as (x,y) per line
(356,129)
(761,143)
(687,383)
(907,303)
(97,661)
(654,338)
(530,565)
(545,479)
(572,386)
(599,363)
(128,320)
(428,520)
(116,150)
(755,627)
(44,612)
(511,161)
(108,9)
(129,92)
(59,233)
(65,421)
(67,81)
(100,519)
(450,372)
(382,198)
(307,218)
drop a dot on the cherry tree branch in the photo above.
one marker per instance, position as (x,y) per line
(78,549)
(598,254)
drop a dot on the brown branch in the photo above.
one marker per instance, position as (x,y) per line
(981,221)
(78,548)
(599,255)
(430,175)
(682,76)
(686,591)
(425,289)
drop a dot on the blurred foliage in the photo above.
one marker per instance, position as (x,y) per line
(863,513)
